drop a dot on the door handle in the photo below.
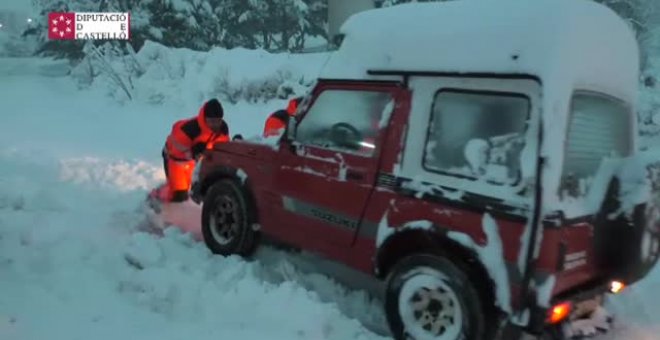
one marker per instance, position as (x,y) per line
(354,175)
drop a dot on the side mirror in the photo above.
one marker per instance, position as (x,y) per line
(289,135)
(290,131)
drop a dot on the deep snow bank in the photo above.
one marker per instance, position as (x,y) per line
(72,264)
(638,309)
(157,74)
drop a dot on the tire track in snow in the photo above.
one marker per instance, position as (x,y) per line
(119,175)
(70,275)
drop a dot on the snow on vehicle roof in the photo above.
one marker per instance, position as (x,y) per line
(570,41)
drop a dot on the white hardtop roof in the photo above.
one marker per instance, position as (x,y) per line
(576,44)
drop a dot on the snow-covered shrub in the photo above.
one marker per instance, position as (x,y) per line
(15,46)
(108,64)
(280,85)
(649,112)
(649,103)
(12,24)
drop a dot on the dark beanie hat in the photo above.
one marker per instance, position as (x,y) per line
(213,109)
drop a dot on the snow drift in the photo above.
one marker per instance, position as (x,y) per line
(157,74)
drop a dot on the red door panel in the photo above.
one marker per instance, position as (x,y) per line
(323,190)
(323,195)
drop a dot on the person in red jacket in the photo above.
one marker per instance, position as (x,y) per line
(185,145)
(280,118)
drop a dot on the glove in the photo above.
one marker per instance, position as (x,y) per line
(198,150)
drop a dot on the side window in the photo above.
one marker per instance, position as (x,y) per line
(477,135)
(344,120)
(599,127)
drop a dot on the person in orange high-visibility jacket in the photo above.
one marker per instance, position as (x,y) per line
(278,120)
(185,144)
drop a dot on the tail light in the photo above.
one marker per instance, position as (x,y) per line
(617,287)
(559,312)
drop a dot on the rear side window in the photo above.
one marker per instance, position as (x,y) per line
(599,127)
(346,120)
(477,135)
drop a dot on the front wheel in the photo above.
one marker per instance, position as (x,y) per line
(430,298)
(227,219)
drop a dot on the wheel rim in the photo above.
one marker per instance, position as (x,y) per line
(224,220)
(429,307)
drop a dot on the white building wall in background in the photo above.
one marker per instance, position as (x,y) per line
(340,10)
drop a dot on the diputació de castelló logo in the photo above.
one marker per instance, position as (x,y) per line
(89,26)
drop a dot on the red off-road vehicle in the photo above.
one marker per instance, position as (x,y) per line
(472,156)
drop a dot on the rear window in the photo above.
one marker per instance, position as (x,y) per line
(599,127)
(477,135)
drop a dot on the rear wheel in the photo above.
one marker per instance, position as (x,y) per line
(227,219)
(430,298)
(647,224)
(627,247)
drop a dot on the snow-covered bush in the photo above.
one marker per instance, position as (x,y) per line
(12,44)
(156,73)
(649,108)
(15,46)
(649,111)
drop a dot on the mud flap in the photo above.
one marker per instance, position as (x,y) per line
(627,237)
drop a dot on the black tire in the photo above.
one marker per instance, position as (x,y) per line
(227,219)
(646,224)
(620,243)
(471,314)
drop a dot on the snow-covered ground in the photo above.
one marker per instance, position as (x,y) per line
(74,168)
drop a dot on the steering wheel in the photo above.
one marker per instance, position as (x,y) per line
(346,135)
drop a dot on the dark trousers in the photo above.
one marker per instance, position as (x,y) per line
(164,154)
